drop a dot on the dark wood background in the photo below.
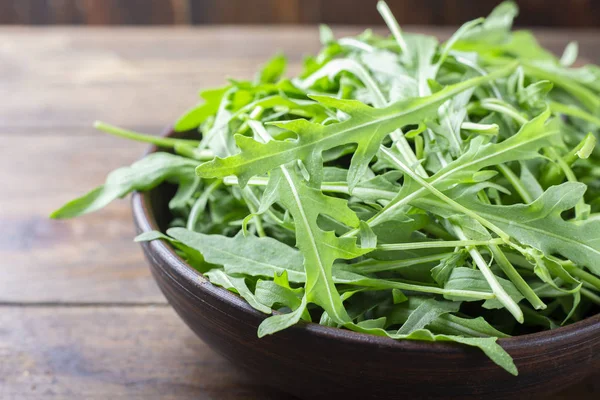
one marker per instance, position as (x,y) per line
(553,13)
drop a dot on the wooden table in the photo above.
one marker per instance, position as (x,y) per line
(80,316)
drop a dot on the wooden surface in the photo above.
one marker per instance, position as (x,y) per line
(80,316)
(565,13)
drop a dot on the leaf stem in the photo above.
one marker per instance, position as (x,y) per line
(200,205)
(389,284)
(438,244)
(515,182)
(392,24)
(590,295)
(442,196)
(560,108)
(368,267)
(141,137)
(580,207)
(503,108)
(489,276)
(191,151)
(581,274)
(246,193)
(516,278)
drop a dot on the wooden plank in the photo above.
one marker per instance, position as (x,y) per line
(59,106)
(99,353)
(90,259)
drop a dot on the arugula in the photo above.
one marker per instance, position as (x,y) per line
(398,186)
(145,174)
(367,127)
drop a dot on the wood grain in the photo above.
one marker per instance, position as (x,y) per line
(91,259)
(98,353)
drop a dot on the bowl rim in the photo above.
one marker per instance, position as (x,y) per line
(143,214)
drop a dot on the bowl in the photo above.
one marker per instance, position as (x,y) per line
(312,361)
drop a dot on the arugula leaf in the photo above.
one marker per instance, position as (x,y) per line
(461,278)
(534,135)
(219,277)
(541,226)
(239,255)
(319,248)
(145,174)
(273,70)
(189,254)
(488,345)
(428,311)
(367,127)
(194,117)
(496,26)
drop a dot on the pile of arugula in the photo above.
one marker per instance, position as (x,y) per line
(398,187)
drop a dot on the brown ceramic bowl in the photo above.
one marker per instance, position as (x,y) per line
(317,362)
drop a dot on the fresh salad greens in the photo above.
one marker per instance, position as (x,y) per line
(398,186)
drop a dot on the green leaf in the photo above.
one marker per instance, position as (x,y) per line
(280,322)
(185,192)
(326,35)
(398,296)
(189,254)
(462,292)
(194,117)
(319,248)
(563,79)
(142,175)
(462,278)
(426,312)
(445,323)
(488,345)
(541,226)
(441,273)
(245,254)
(279,292)
(534,135)
(496,26)
(368,239)
(569,56)
(366,126)
(273,70)
(450,324)
(540,132)
(152,235)
(237,285)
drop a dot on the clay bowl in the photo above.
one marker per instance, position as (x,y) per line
(316,362)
